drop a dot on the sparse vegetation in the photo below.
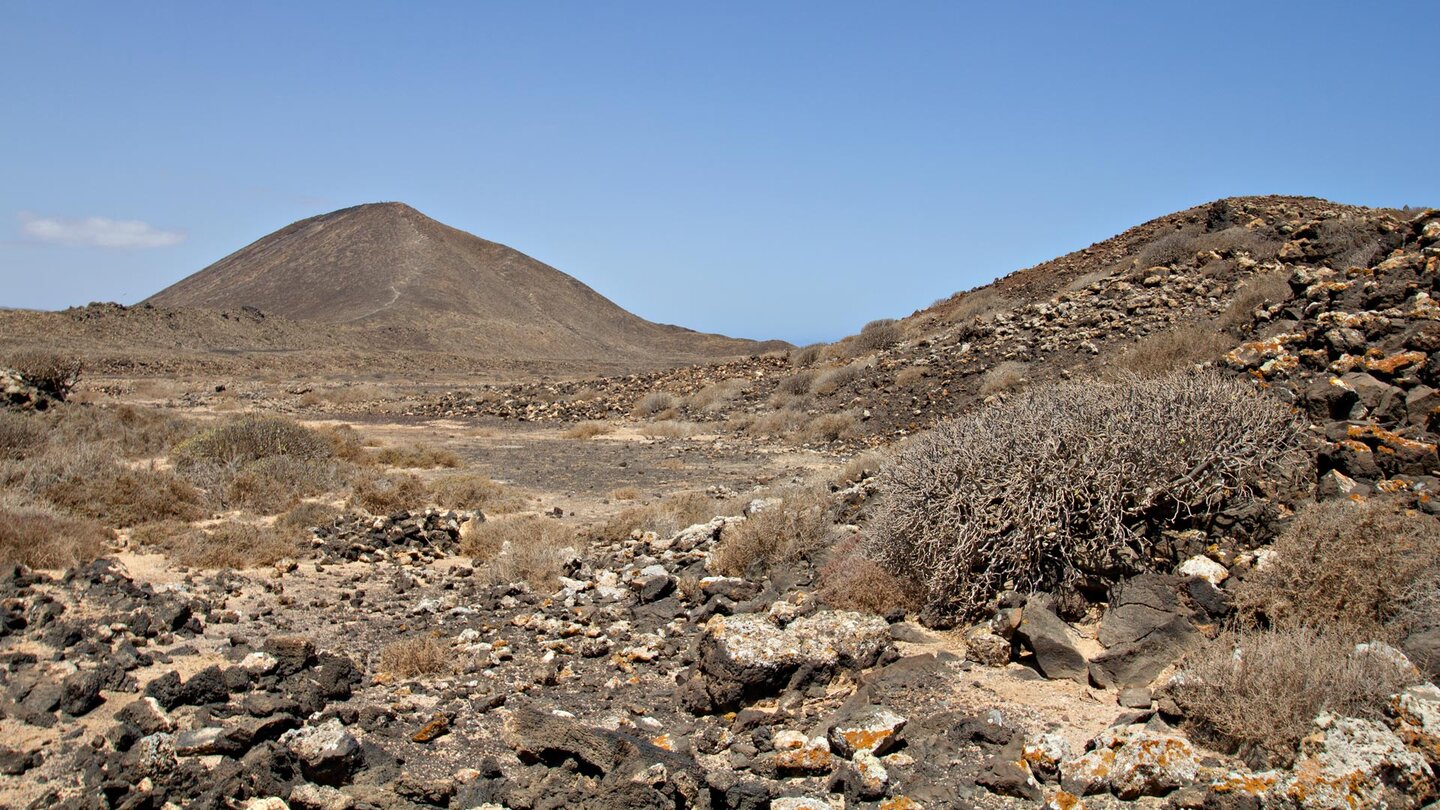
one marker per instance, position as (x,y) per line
(127,497)
(1345,565)
(418,656)
(832,380)
(1005,376)
(803,356)
(654,403)
(879,334)
(231,544)
(799,524)
(1177,349)
(1061,483)
(589,430)
(524,548)
(849,580)
(53,373)
(42,538)
(1255,693)
(669,429)
(306,515)
(475,491)
(667,516)
(828,427)
(381,494)
(417,457)
(1261,290)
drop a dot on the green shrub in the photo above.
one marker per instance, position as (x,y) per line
(1072,482)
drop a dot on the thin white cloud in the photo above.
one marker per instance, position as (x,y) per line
(99,232)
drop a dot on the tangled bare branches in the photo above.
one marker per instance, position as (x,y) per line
(1072,482)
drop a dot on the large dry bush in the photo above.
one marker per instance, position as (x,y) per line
(797,384)
(1176,349)
(42,538)
(259,462)
(1344,564)
(252,437)
(1072,482)
(131,430)
(1176,248)
(1255,693)
(381,494)
(802,356)
(781,533)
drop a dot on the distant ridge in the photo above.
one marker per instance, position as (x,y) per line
(386,266)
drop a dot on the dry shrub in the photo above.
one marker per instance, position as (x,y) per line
(851,581)
(878,334)
(38,537)
(797,384)
(305,516)
(1255,693)
(1261,244)
(669,430)
(249,438)
(346,395)
(828,382)
(863,466)
(1072,482)
(625,494)
(346,444)
(226,545)
(653,403)
(983,302)
(417,457)
(475,491)
(381,494)
(585,394)
(1265,289)
(53,373)
(524,548)
(126,497)
(782,533)
(1005,376)
(777,423)
(133,431)
(715,397)
(666,517)
(1179,348)
(21,434)
(806,355)
(416,657)
(828,427)
(1169,250)
(910,375)
(589,430)
(1344,564)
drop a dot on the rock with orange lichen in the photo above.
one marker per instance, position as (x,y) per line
(1255,353)
(1415,717)
(1351,763)
(1061,800)
(872,729)
(1394,451)
(1130,762)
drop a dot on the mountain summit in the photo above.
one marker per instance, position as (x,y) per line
(386,265)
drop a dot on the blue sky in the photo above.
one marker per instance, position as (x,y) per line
(789,169)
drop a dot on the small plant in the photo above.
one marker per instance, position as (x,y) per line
(416,657)
(475,491)
(381,494)
(38,537)
(225,545)
(803,356)
(778,534)
(249,438)
(665,518)
(1005,376)
(1072,482)
(1344,564)
(417,457)
(1178,349)
(1255,693)
(828,427)
(127,497)
(523,548)
(851,581)
(52,373)
(589,430)
(879,334)
(1261,290)
(306,515)
(654,403)
(828,382)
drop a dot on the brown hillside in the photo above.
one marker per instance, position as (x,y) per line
(387,266)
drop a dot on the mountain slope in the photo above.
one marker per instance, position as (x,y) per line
(387,266)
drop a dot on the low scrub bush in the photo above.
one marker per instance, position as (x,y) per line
(832,380)
(669,429)
(249,438)
(41,538)
(1261,290)
(305,516)
(1072,483)
(416,657)
(1344,564)
(715,397)
(665,517)
(1181,348)
(20,434)
(126,497)
(53,373)
(475,491)
(1254,693)
(803,356)
(1170,250)
(828,427)
(524,548)
(654,403)
(798,525)
(381,494)
(417,457)
(225,545)
(589,430)
(879,334)
(797,384)
(1005,376)
(849,580)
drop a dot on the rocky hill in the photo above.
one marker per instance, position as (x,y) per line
(387,266)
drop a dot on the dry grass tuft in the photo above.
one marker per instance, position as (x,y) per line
(307,515)
(832,380)
(417,457)
(524,548)
(879,334)
(381,494)
(654,403)
(127,497)
(1264,289)
(1255,693)
(828,427)
(803,356)
(40,538)
(1344,564)
(226,545)
(416,657)
(624,494)
(782,533)
(589,430)
(851,581)
(475,491)
(666,517)
(1177,349)
(669,430)
(1005,376)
